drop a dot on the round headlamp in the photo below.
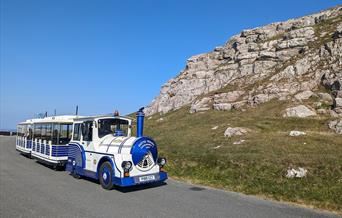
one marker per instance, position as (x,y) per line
(126,165)
(161,161)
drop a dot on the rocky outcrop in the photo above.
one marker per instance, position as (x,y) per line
(284,60)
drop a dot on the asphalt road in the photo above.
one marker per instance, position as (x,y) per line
(30,189)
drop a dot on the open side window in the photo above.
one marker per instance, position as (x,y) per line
(87,130)
(77,132)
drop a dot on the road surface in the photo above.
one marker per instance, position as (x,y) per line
(30,189)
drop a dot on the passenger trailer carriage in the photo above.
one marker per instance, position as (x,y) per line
(99,147)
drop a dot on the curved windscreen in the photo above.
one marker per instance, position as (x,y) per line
(118,127)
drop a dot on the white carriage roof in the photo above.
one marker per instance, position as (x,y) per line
(70,119)
(52,119)
(101,116)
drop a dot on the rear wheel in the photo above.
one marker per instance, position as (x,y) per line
(106,175)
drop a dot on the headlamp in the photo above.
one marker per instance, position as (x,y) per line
(161,161)
(126,165)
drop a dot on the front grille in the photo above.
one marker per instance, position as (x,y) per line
(146,163)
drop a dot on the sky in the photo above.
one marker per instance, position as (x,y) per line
(107,55)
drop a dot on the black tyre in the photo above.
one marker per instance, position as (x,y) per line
(106,175)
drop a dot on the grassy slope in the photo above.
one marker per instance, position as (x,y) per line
(257,166)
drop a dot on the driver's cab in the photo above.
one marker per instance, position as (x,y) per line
(90,131)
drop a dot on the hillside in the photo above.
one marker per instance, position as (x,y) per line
(225,120)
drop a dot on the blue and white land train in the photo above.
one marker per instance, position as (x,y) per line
(100,147)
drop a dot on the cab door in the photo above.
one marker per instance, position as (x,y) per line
(88,145)
(87,134)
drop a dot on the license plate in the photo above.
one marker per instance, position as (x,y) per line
(146,178)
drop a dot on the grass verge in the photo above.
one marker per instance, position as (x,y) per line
(199,154)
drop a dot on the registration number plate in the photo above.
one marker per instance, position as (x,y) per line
(146,178)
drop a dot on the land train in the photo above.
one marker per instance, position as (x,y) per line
(99,147)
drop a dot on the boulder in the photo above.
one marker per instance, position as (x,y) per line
(294,173)
(223,106)
(322,111)
(296,133)
(259,99)
(299,111)
(337,102)
(336,125)
(303,95)
(325,97)
(235,131)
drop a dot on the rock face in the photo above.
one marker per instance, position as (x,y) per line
(299,111)
(284,60)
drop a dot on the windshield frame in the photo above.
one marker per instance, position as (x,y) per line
(101,131)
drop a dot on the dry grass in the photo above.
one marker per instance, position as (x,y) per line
(197,153)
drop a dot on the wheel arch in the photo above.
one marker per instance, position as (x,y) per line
(102,160)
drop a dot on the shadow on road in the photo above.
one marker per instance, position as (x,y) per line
(116,188)
(139,187)
(131,188)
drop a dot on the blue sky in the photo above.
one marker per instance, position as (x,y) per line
(106,55)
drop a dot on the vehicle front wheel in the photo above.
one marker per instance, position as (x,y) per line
(106,176)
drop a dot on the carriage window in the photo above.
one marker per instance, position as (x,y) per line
(23,130)
(20,130)
(64,134)
(43,136)
(55,133)
(48,134)
(77,135)
(29,132)
(117,127)
(87,131)
(37,131)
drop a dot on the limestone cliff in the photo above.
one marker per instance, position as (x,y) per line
(285,60)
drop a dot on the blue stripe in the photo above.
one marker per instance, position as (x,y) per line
(59,150)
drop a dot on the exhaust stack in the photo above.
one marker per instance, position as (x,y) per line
(140,122)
